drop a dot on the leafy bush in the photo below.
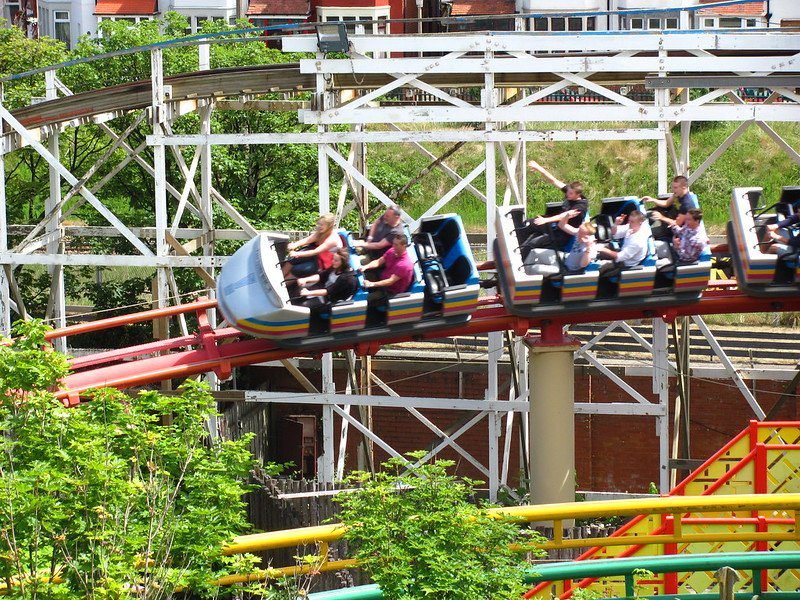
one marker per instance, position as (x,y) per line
(118,498)
(418,536)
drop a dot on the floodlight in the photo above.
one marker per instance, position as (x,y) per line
(332,37)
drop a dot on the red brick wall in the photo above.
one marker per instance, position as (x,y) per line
(613,453)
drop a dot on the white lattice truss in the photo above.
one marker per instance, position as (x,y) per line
(502,65)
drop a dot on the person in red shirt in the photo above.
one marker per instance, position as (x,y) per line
(397,272)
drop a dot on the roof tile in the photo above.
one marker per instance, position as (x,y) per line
(278,8)
(126,7)
(482,7)
(748,9)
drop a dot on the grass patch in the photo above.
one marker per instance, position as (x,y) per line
(609,168)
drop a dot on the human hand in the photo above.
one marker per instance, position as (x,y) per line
(573,213)
(647,199)
(772,227)
(540,220)
(368,284)
(620,219)
(304,292)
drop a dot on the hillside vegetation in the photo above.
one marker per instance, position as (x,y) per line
(607,169)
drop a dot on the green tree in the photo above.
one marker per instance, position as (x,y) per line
(118,498)
(418,536)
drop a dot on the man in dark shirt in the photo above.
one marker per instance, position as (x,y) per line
(382,233)
(681,196)
(543,231)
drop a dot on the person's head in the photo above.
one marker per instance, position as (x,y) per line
(693,218)
(680,185)
(392,216)
(400,244)
(574,190)
(586,230)
(635,219)
(325,223)
(341,260)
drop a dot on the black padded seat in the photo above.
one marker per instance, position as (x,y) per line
(459,271)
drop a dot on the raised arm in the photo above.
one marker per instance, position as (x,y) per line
(300,243)
(665,203)
(563,221)
(546,174)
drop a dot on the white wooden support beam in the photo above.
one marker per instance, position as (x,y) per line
(5,290)
(570,63)
(661,372)
(450,439)
(431,425)
(56,304)
(398,136)
(70,178)
(364,431)
(732,371)
(589,42)
(454,191)
(621,383)
(361,179)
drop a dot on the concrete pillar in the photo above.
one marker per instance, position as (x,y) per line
(552,416)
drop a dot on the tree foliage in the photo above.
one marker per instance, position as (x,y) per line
(418,536)
(118,498)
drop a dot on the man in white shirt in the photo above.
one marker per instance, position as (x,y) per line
(634,240)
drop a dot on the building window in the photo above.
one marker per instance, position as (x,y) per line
(61,26)
(562,24)
(12,10)
(355,26)
(730,22)
(650,23)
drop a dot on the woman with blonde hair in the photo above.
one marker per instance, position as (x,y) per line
(313,253)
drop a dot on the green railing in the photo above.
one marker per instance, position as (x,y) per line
(632,568)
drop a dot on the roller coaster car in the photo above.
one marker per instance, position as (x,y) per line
(254,298)
(759,273)
(553,289)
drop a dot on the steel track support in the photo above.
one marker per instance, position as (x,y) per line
(158,116)
(5,292)
(732,371)
(56,305)
(326,466)
(206,205)
(661,373)
(686,129)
